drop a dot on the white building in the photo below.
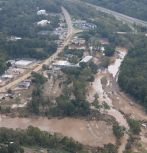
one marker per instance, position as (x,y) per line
(14,38)
(86,59)
(12,62)
(63,64)
(15,71)
(43,23)
(41,12)
(23,63)
(7,76)
(102,49)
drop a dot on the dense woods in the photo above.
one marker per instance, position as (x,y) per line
(133,74)
(19,18)
(12,140)
(134,8)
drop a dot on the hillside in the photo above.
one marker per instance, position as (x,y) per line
(134,8)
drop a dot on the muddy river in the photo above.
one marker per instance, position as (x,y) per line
(92,133)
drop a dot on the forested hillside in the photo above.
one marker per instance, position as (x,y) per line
(134,8)
(133,74)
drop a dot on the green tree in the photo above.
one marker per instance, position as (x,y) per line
(135,126)
(118,131)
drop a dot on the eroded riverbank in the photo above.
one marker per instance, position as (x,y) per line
(92,133)
(98,88)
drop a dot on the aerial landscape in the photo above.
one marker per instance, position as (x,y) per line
(73,76)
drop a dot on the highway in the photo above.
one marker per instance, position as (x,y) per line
(70,33)
(119,16)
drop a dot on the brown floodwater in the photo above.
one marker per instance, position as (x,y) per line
(92,133)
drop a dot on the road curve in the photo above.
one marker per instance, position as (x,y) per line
(120,16)
(71,32)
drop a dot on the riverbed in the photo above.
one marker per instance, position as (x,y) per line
(114,68)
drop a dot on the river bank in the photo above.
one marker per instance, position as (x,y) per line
(89,133)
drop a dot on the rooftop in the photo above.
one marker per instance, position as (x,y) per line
(43,23)
(23,63)
(41,12)
(7,76)
(86,59)
(62,63)
(65,64)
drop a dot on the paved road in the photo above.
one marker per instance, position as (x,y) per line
(71,32)
(119,16)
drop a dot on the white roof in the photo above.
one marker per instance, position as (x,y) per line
(17,38)
(43,22)
(41,12)
(86,59)
(14,38)
(23,63)
(7,76)
(102,48)
(62,63)
(11,61)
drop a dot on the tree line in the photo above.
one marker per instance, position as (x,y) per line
(31,137)
(133,8)
(133,73)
